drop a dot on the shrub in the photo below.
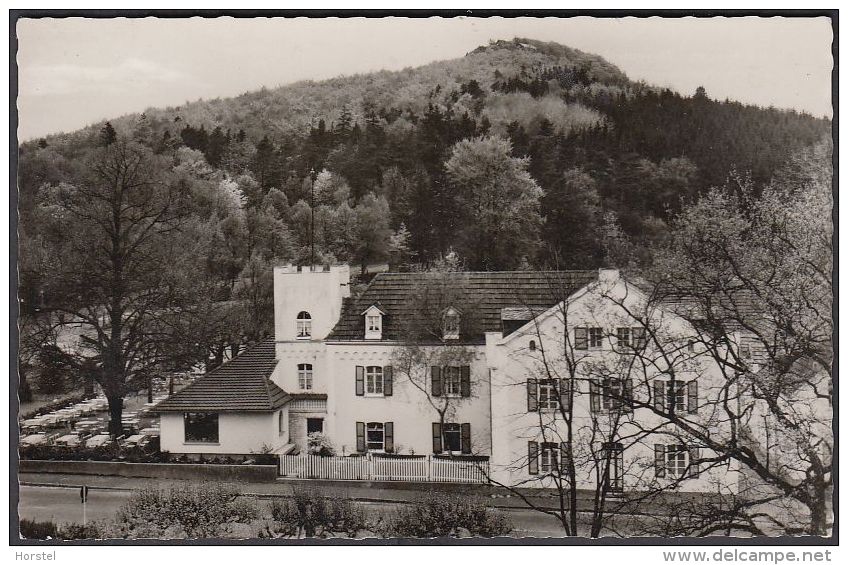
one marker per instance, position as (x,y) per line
(184,511)
(314,515)
(320,444)
(33,529)
(443,515)
(75,530)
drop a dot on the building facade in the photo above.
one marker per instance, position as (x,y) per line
(528,369)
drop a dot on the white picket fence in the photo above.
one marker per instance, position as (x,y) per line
(386,468)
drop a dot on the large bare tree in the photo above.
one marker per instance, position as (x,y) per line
(118,251)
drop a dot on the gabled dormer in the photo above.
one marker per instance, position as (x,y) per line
(373,320)
(450,323)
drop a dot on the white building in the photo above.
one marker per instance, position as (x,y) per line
(338,365)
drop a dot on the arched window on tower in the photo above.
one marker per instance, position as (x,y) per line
(304,325)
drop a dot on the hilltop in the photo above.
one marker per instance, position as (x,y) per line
(610,155)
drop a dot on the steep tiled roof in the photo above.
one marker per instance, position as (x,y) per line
(484,293)
(239,385)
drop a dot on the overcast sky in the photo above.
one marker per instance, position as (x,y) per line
(74,72)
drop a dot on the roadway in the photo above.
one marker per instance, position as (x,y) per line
(62,505)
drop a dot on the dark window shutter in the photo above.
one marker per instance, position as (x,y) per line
(360,380)
(692,396)
(532,396)
(581,338)
(564,396)
(437,437)
(595,396)
(659,395)
(694,462)
(564,455)
(465,381)
(659,460)
(436,378)
(389,436)
(387,380)
(465,437)
(628,395)
(638,337)
(532,457)
(360,437)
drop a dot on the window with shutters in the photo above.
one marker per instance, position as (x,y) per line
(374,381)
(613,455)
(596,338)
(676,460)
(375,436)
(622,336)
(614,393)
(304,325)
(304,376)
(628,339)
(453,437)
(452,381)
(549,457)
(548,394)
(676,395)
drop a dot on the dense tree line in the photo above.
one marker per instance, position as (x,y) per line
(521,154)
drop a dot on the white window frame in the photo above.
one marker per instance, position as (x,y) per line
(613,453)
(304,325)
(548,395)
(595,338)
(450,325)
(373,323)
(374,381)
(676,460)
(452,428)
(624,338)
(549,457)
(281,427)
(452,381)
(612,386)
(375,427)
(304,376)
(680,396)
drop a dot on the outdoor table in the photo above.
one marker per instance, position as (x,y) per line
(34,439)
(69,440)
(98,440)
(134,439)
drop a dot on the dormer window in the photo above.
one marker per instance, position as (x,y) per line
(450,324)
(374,322)
(304,325)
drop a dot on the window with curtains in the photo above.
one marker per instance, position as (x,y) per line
(374,381)
(548,394)
(304,376)
(452,381)
(676,460)
(677,395)
(304,325)
(375,436)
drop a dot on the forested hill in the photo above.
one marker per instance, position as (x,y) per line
(606,158)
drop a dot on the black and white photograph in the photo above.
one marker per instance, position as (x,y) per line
(305,278)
